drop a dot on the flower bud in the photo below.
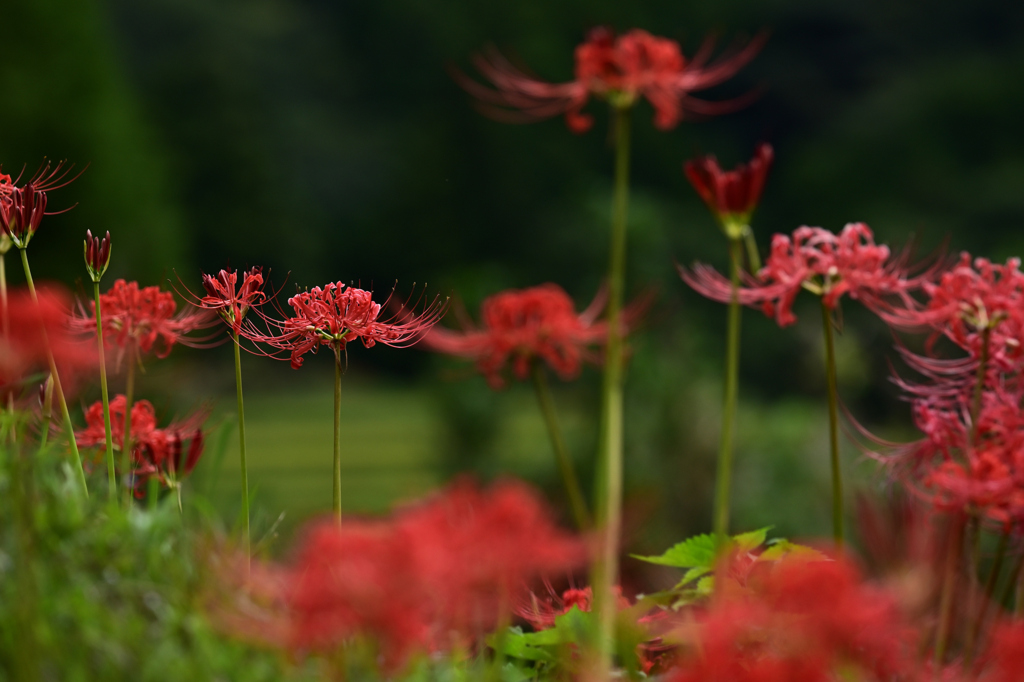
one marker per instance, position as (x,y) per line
(97,255)
(21,213)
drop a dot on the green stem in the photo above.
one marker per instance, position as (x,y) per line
(47,413)
(572,484)
(833,425)
(990,587)
(111,475)
(337,435)
(1011,582)
(5,319)
(126,442)
(604,573)
(753,257)
(948,590)
(69,428)
(723,477)
(241,448)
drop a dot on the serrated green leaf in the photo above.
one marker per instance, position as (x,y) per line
(574,625)
(706,585)
(752,540)
(517,644)
(698,551)
(783,548)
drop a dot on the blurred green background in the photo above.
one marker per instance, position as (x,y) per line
(326,141)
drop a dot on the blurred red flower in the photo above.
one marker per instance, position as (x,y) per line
(335,315)
(731,195)
(620,69)
(824,263)
(539,323)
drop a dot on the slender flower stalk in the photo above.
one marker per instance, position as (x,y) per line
(949,577)
(126,442)
(69,428)
(97,258)
(565,466)
(336,500)
(604,573)
(989,592)
(241,447)
(833,425)
(723,476)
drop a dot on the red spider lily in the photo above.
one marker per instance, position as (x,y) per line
(143,320)
(155,451)
(32,328)
(799,621)
(230,301)
(731,195)
(821,262)
(22,207)
(97,255)
(620,69)
(539,323)
(335,315)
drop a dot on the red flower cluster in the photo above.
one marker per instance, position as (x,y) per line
(731,195)
(335,315)
(143,320)
(539,323)
(620,69)
(31,329)
(22,207)
(230,301)
(824,263)
(437,575)
(155,452)
(799,620)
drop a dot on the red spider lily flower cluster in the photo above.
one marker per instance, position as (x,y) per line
(732,195)
(524,325)
(230,301)
(143,320)
(437,575)
(824,263)
(337,314)
(97,255)
(32,328)
(156,452)
(619,69)
(22,207)
(799,620)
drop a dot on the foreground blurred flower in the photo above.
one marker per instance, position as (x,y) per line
(436,577)
(333,316)
(618,69)
(799,619)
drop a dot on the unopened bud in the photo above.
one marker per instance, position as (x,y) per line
(97,255)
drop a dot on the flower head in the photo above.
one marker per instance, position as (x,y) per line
(97,255)
(523,325)
(229,300)
(143,320)
(618,69)
(335,315)
(824,263)
(732,195)
(22,207)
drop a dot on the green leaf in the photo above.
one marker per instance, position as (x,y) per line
(698,551)
(782,548)
(517,644)
(747,542)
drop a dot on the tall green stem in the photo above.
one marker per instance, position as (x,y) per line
(753,257)
(948,590)
(69,428)
(572,483)
(609,504)
(111,475)
(241,447)
(5,318)
(990,587)
(833,425)
(337,434)
(723,476)
(126,443)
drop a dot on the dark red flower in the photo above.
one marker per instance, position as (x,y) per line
(821,262)
(539,323)
(22,207)
(731,195)
(230,301)
(97,255)
(800,620)
(33,329)
(619,69)
(335,315)
(143,320)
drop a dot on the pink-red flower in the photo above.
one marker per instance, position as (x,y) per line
(618,69)
(732,195)
(143,319)
(22,207)
(336,315)
(799,620)
(524,325)
(824,263)
(228,299)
